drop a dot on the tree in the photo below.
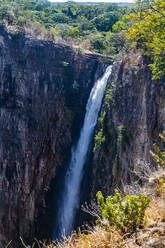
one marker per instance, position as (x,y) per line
(97,42)
(7,13)
(64,30)
(105,21)
(148,30)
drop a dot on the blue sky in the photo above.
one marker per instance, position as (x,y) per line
(101,1)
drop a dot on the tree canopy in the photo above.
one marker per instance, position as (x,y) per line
(148,30)
(106,28)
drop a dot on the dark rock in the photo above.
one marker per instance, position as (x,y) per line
(44,88)
(133,121)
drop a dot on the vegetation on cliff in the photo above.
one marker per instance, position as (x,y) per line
(106,28)
(148,30)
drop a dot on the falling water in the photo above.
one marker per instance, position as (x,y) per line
(71,194)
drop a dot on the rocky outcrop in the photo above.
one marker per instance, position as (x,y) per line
(132,116)
(44,88)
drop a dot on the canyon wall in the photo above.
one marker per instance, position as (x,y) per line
(132,116)
(44,88)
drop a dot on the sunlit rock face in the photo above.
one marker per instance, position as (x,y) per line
(135,115)
(44,88)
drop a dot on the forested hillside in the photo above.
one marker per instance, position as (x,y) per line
(90,25)
(106,28)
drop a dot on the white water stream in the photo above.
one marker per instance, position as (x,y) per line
(71,194)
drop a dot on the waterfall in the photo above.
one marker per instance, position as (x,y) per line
(71,195)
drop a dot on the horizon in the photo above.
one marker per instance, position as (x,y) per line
(94,1)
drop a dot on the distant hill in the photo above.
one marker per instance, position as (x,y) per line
(95,3)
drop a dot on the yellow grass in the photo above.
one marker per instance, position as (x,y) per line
(153,231)
(151,235)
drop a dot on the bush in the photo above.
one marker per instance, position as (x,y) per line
(126,213)
(161,186)
(97,42)
(159,156)
(99,138)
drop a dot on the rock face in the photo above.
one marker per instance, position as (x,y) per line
(44,88)
(132,116)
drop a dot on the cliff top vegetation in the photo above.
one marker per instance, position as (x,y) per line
(90,25)
(106,28)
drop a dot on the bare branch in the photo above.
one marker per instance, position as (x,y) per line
(92,209)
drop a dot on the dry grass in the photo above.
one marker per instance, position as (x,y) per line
(151,235)
(97,238)
(153,232)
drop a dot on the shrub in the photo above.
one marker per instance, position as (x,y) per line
(159,156)
(161,186)
(99,140)
(97,42)
(126,213)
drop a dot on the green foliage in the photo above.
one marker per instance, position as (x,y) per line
(97,42)
(109,95)
(65,63)
(161,186)
(7,13)
(121,25)
(99,138)
(105,21)
(64,30)
(148,30)
(125,213)
(158,155)
(86,24)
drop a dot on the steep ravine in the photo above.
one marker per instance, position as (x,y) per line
(44,88)
(132,116)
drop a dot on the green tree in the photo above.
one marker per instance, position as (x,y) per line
(64,30)
(7,13)
(97,42)
(148,30)
(105,21)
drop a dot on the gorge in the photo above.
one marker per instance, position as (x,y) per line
(44,88)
